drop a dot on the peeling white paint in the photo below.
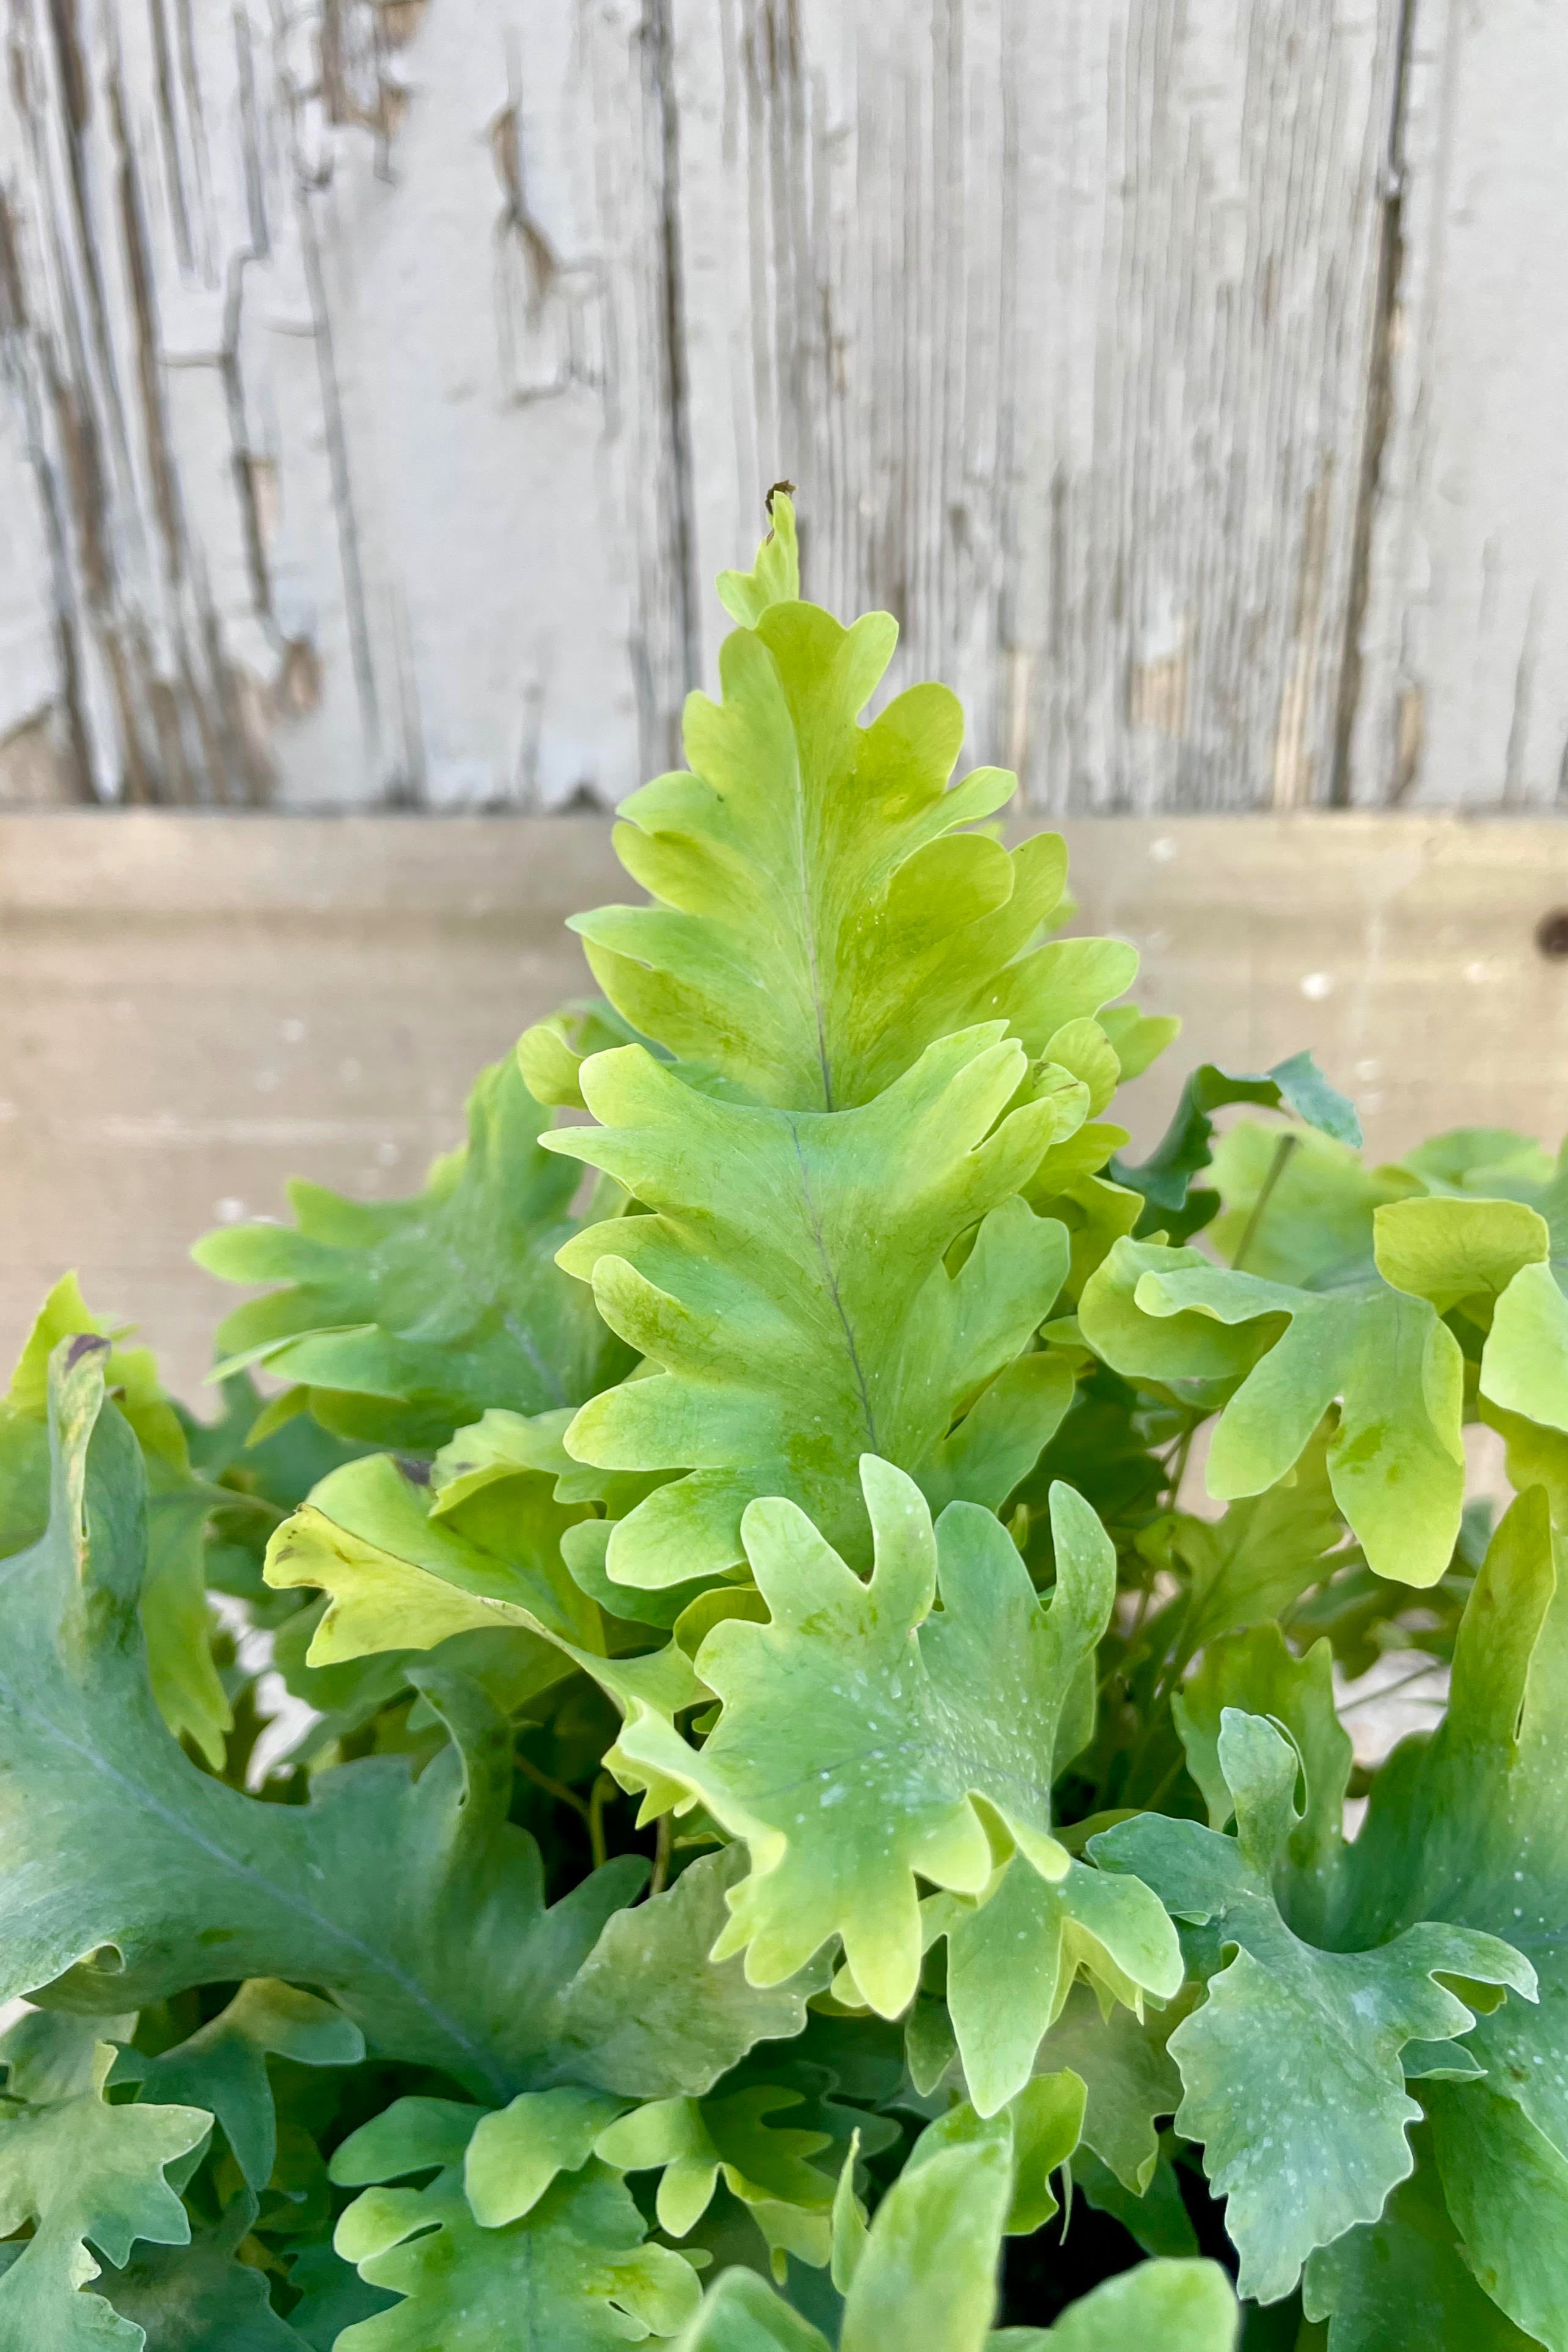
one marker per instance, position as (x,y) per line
(316,376)
(381,381)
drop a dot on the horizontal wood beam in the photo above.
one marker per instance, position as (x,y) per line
(199,1007)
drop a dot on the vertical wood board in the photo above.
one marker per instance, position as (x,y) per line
(310,342)
(1062,317)
(1466,694)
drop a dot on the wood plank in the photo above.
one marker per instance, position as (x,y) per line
(1061,318)
(200,1006)
(1466,694)
(34,765)
(312,311)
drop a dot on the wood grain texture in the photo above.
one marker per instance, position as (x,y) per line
(1062,317)
(308,344)
(382,382)
(1465,699)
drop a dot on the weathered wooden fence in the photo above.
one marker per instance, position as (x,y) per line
(382,381)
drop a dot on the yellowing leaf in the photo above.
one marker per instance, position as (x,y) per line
(401,1578)
(1452,1251)
(819,917)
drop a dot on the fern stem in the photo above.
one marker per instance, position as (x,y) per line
(604,1789)
(1282,1151)
(661,1878)
(556,1789)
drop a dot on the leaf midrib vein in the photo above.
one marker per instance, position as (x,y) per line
(379,1962)
(830,1280)
(808,925)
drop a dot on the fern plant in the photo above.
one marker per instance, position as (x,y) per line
(807,1817)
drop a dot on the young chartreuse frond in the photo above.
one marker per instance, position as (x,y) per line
(859,1075)
(822,906)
